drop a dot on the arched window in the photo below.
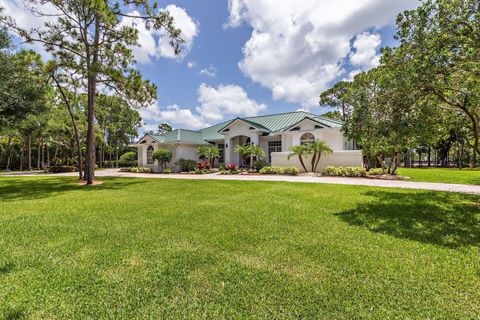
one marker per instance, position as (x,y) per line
(307,138)
(150,155)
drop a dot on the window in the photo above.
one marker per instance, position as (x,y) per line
(274,146)
(150,155)
(307,138)
(221,148)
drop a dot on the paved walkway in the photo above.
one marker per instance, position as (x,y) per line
(449,187)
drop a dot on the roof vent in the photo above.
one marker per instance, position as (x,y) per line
(295,129)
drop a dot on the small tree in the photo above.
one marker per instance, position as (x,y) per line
(300,151)
(250,150)
(209,153)
(163,156)
(318,148)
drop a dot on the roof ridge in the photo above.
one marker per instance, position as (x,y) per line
(277,114)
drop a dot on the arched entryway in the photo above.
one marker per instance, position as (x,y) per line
(234,156)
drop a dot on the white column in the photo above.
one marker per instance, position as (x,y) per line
(228,147)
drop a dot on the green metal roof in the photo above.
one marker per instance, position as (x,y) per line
(272,123)
(180,136)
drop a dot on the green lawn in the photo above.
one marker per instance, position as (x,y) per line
(161,248)
(445,175)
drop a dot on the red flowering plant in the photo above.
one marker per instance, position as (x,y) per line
(231,167)
(203,164)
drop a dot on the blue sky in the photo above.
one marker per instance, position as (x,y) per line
(250,57)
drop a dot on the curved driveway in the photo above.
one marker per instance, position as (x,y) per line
(449,187)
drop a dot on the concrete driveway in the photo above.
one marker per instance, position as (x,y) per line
(448,187)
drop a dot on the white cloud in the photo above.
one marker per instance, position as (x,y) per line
(26,20)
(226,100)
(298,48)
(216,104)
(191,64)
(366,47)
(189,29)
(153,115)
(209,72)
(155,43)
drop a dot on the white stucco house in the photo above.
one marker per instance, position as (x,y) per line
(275,133)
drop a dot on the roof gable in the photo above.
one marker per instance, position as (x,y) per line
(246,122)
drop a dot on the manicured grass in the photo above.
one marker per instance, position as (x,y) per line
(444,175)
(169,249)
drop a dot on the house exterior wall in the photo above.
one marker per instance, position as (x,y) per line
(342,155)
(348,158)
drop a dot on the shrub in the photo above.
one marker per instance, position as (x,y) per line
(259,164)
(376,172)
(231,167)
(186,165)
(292,171)
(60,169)
(203,164)
(140,170)
(128,159)
(163,156)
(167,170)
(344,171)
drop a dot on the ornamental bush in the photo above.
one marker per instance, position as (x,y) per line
(140,170)
(291,171)
(376,172)
(333,171)
(186,165)
(259,164)
(128,159)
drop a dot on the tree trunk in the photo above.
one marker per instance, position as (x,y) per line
(9,144)
(116,156)
(302,163)
(38,154)
(101,155)
(429,157)
(30,152)
(42,163)
(92,91)
(22,150)
(314,160)
(317,161)
(75,130)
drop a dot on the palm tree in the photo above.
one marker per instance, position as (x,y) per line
(209,153)
(250,150)
(300,151)
(317,148)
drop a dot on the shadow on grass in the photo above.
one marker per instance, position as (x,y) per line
(13,189)
(14,314)
(446,219)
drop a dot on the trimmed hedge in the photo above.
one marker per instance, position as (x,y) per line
(290,171)
(333,171)
(140,170)
(376,172)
